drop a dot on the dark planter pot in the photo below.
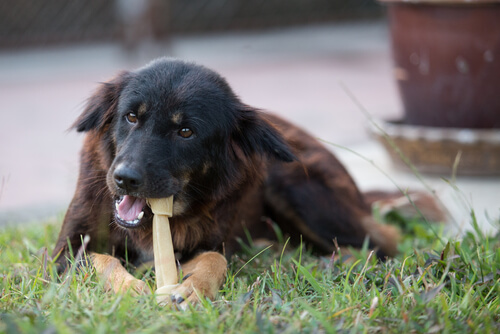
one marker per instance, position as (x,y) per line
(447,61)
(447,65)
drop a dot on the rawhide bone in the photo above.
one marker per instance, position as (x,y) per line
(165,264)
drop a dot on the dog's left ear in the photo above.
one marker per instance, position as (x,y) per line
(101,106)
(256,135)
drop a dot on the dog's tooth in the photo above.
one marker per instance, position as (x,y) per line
(139,217)
(132,222)
(116,206)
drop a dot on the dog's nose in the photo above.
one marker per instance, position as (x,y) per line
(127,178)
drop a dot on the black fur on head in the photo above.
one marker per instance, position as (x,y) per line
(168,96)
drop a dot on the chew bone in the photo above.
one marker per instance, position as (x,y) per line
(165,266)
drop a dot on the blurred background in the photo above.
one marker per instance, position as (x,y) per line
(301,59)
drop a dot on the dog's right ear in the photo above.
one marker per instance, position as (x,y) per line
(101,106)
(256,135)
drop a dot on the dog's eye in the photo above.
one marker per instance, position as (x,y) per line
(131,118)
(185,132)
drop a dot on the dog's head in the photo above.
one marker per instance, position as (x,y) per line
(175,128)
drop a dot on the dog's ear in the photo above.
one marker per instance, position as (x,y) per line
(101,106)
(256,135)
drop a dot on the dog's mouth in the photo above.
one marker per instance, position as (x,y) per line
(130,211)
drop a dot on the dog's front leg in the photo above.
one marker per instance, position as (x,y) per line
(203,276)
(115,276)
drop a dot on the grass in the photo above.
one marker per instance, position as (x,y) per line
(432,286)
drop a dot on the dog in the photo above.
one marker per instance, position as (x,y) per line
(174,128)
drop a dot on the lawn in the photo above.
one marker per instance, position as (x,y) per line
(435,285)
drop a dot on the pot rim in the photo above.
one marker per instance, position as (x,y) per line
(398,128)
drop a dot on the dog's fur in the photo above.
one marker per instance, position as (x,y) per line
(175,128)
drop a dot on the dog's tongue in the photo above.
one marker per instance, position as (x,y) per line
(130,207)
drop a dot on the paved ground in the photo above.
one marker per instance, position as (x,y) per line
(294,72)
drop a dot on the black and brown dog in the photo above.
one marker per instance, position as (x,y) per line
(176,128)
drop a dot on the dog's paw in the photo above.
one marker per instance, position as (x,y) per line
(205,275)
(135,286)
(192,290)
(115,277)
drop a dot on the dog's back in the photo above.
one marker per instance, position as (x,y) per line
(316,197)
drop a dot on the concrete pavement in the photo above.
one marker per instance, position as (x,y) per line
(295,72)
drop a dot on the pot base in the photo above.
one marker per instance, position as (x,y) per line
(435,150)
